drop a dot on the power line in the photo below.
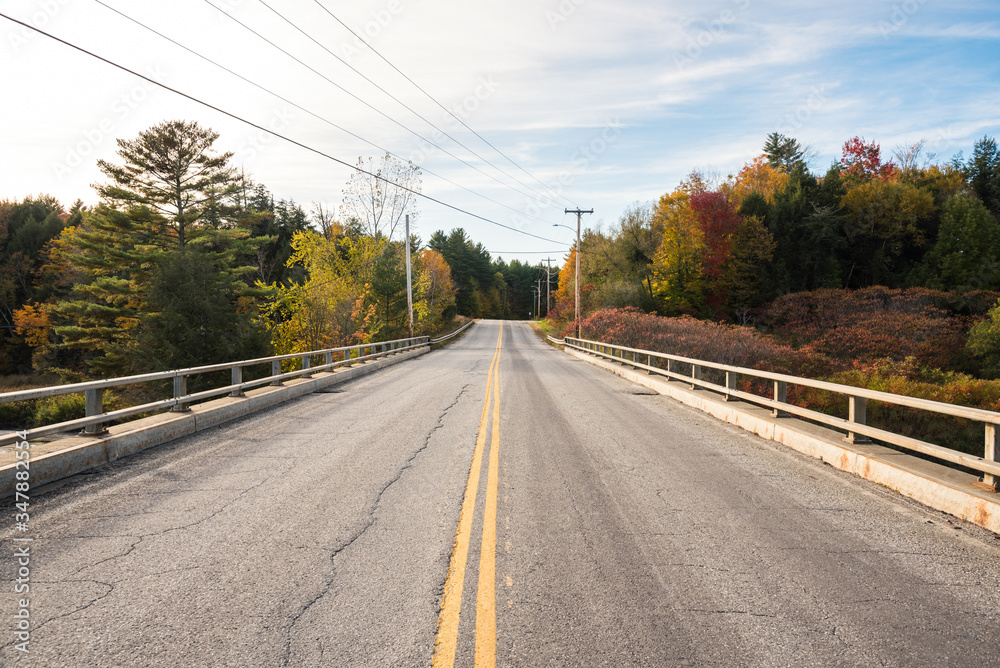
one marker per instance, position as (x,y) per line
(272,132)
(523,252)
(311,113)
(435,101)
(367,104)
(400,102)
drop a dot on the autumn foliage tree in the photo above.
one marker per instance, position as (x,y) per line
(862,163)
(758,176)
(718,219)
(677,267)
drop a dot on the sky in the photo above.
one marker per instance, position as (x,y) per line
(594,104)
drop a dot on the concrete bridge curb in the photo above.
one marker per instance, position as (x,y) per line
(69,456)
(931,484)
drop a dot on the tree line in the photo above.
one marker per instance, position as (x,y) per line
(719,249)
(187,261)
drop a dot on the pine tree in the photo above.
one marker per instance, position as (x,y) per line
(171,169)
(783,152)
(170,206)
(983,173)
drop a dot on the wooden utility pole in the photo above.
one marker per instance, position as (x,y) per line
(409,281)
(548,286)
(578,212)
(538,311)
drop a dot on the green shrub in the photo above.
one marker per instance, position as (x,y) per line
(59,409)
(17,415)
(984,343)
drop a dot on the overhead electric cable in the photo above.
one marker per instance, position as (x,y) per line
(435,101)
(400,102)
(236,117)
(311,113)
(367,104)
(523,252)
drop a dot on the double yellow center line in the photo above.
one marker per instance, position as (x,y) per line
(446,645)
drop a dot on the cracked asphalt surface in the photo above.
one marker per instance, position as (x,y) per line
(631,532)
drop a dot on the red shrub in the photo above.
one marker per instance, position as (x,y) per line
(687,337)
(873,323)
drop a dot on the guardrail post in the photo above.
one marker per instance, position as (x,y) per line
(305,365)
(236,378)
(649,363)
(94,400)
(857,412)
(328,360)
(695,375)
(180,390)
(347,357)
(781,396)
(670,368)
(992,454)
(276,371)
(730,385)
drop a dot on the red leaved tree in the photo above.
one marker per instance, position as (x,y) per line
(718,217)
(862,163)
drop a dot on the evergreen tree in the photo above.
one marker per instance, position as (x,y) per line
(983,174)
(113,255)
(132,309)
(471,269)
(171,170)
(967,252)
(783,152)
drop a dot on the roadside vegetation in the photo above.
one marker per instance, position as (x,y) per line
(878,272)
(883,274)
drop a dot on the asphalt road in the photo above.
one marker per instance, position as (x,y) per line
(620,529)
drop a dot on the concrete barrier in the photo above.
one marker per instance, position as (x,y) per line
(71,455)
(931,484)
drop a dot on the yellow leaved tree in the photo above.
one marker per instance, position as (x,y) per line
(757,176)
(677,275)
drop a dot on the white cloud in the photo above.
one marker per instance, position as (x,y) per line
(819,71)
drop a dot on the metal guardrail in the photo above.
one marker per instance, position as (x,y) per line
(95,416)
(446,337)
(858,431)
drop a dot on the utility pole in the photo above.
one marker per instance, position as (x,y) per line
(409,281)
(548,286)
(578,212)
(538,310)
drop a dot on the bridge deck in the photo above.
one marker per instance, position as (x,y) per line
(628,530)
